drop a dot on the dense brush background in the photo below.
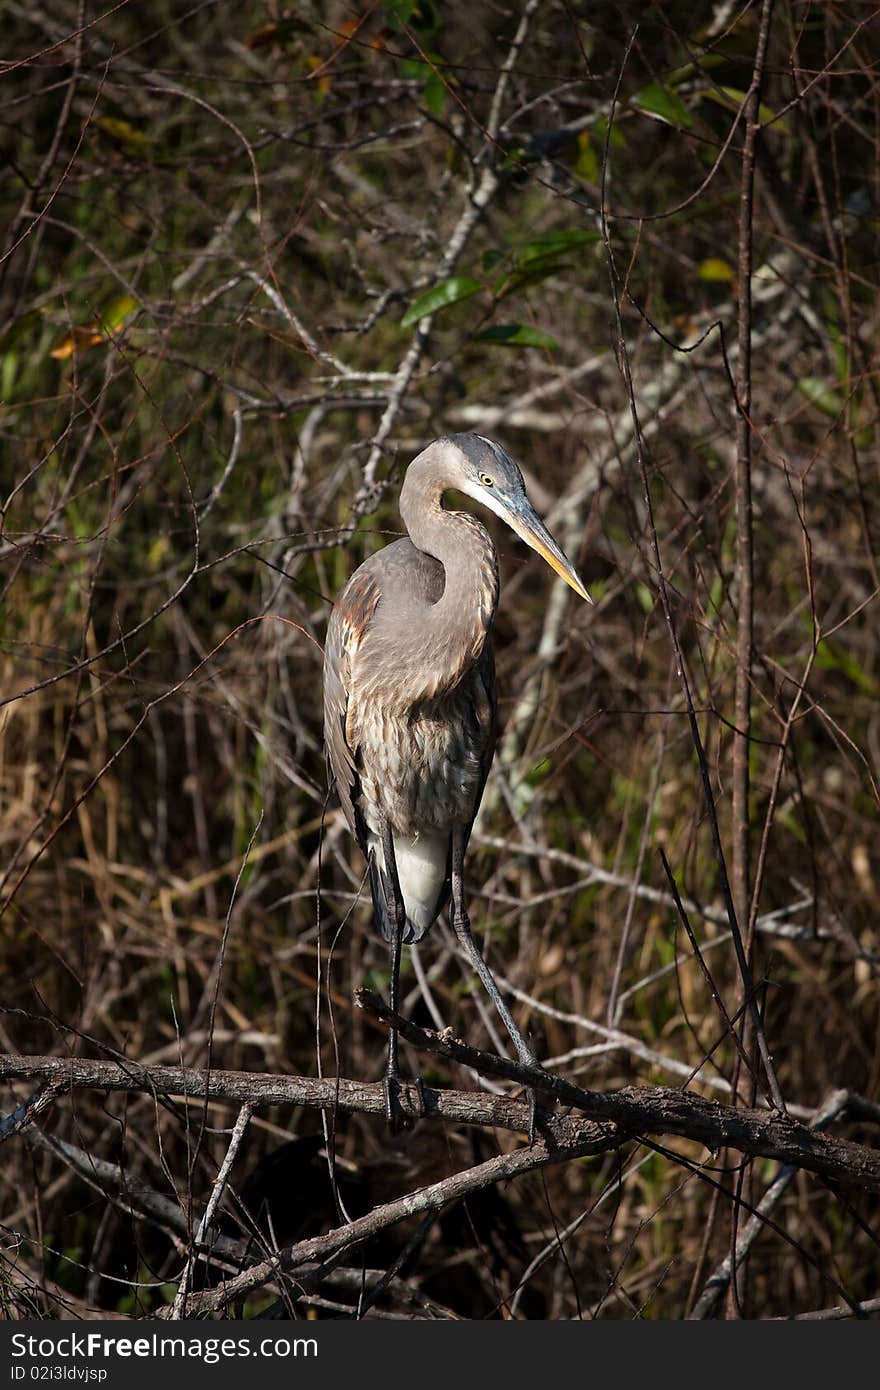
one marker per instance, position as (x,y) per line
(215,220)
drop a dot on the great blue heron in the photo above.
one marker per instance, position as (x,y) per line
(409,697)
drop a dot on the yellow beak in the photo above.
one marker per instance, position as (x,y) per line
(525,521)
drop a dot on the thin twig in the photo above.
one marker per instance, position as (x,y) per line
(217,1191)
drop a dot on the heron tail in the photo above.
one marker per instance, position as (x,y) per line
(422,871)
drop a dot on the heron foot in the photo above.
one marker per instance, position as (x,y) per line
(420,1092)
(396,1118)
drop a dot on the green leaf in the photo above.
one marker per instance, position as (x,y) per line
(821,395)
(399,12)
(520,278)
(7,376)
(616,139)
(765,116)
(537,774)
(435,94)
(645,598)
(707,62)
(516,335)
(541,258)
(732,99)
(117,311)
(514,158)
(440,297)
(425,70)
(424,17)
(412,14)
(124,133)
(586,165)
(554,243)
(664,102)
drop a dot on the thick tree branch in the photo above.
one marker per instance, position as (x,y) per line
(631,1113)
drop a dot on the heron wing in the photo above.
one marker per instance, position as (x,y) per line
(486,715)
(350,619)
(485,712)
(489,716)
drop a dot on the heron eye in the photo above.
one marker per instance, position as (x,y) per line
(486,480)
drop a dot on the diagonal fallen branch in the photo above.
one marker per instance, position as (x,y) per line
(643,1110)
(590,1139)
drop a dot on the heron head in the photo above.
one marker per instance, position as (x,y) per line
(489,475)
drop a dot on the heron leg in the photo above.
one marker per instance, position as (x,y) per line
(462,927)
(394,897)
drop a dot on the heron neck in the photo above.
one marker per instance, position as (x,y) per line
(457,626)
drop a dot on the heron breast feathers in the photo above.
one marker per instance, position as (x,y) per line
(423,772)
